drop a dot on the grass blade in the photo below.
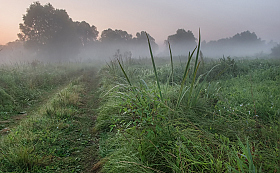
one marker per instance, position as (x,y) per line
(184,79)
(124,72)
(172,67)
(198,50)
(154,66)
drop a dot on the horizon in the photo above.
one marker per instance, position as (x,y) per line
(240,17)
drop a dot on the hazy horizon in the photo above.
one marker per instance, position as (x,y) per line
(160,18)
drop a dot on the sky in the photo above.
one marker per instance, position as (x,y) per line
(160,18)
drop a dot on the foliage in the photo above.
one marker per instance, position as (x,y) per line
(22,85)
(114,36)
(181,41)
(86,33)
(245,43)
(51,32)
(189,125)
(46,141)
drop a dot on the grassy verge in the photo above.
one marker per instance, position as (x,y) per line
(23,85)
(59,137)
(230,124)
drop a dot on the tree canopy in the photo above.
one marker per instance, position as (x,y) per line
(182,36)
(182,42)
(115,36)
(51,32)
(86,32)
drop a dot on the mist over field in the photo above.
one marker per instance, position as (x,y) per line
(59,38)
(244,44)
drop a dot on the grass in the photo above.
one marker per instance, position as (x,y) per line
(183,114)
(58,137)
(22,85)
(222,116)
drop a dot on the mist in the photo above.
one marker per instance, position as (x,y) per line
(60,39)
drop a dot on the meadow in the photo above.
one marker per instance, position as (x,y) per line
(47,115)
(189,114)
(175,114)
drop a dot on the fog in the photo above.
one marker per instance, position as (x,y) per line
(97,50)
(60,39)
(244,44)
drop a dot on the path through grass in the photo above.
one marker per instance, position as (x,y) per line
(59,136)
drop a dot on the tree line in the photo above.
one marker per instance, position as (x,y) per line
(51,34)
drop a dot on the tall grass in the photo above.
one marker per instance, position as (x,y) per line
(192,126)
(22,84)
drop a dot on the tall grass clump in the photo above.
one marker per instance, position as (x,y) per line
(149,122)
(154,119)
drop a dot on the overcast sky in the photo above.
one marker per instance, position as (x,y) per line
(160,18)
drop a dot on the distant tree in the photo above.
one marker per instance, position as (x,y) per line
(115,36)
(50,32)
(241,44)
(86,32)
(275,51)
(246,37)
(182,42)
(182,36)
(141,40)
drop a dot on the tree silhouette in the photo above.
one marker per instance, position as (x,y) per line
(141,40)
(86,32)
(182,36)
(241,44)
(52,34)
(182,42)
(115,36)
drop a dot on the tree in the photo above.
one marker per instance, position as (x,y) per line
(115,36)
(86,32)
(141,40)
(246,37)
(51,32)
(182,42)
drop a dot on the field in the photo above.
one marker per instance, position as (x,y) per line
(177,114)
(164,120)
(47,116)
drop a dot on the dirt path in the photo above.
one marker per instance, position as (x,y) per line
(89,104)
(60,130)
(8,123)
(81,144)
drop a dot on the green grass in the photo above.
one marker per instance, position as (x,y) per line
(24,86)
(58,136)
(222,116)
(183,114)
